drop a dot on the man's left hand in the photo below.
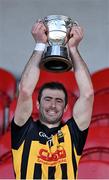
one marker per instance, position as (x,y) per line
(75,36)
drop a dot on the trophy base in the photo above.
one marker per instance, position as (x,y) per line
(56,59)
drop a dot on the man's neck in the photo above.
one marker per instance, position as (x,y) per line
(50,125)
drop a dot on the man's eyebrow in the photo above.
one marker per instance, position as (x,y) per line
(52,97)
(47,97)
(59,99)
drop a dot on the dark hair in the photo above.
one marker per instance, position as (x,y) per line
(54,86)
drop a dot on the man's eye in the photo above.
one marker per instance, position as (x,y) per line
(59,100)
(47,99)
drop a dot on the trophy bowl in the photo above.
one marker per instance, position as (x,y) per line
(56,57)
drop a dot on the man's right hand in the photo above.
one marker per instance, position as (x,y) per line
(39,32)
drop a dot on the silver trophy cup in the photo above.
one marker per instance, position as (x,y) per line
(56,57)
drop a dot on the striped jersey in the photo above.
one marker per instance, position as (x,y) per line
(43,153)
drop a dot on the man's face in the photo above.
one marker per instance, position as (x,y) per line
(52,105)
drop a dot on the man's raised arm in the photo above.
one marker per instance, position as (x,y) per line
(30,76)
(82,111)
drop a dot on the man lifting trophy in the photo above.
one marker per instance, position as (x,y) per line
(56,57)
(44,145)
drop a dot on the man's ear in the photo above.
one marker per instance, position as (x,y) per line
(37,104)
(66,107)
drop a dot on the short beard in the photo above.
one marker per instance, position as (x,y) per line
(50,122)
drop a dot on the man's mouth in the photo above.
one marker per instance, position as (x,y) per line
(51,112)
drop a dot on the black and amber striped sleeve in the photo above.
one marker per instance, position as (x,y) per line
(79,137)
(18,133)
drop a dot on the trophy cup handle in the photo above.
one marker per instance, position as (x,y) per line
(75,23)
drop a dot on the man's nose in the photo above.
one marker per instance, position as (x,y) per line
(53,103)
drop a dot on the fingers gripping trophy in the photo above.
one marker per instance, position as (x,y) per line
(56,57)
